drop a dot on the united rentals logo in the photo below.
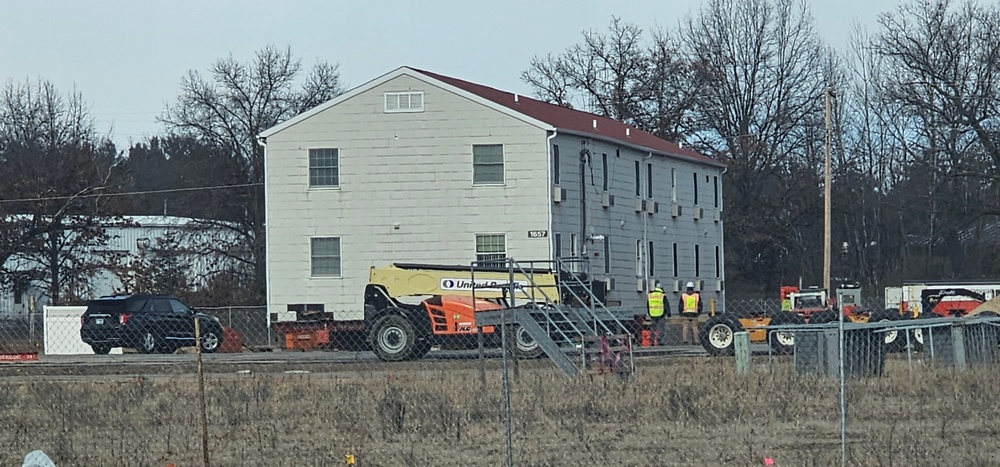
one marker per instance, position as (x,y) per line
(487,285)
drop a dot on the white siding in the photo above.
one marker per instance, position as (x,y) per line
(410,169)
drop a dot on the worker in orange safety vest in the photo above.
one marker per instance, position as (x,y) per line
(658,310)
(690,308)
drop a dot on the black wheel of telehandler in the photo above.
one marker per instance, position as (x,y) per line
(717,334)
(420,349)
(783,341)
(393,338)
(521,344)
(893,341)
(919,335)
(823,317)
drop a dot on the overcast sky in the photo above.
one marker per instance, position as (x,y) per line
(127,58)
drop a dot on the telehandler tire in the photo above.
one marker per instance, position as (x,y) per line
(893,341)
(393,338)
(783,341)
(823,317)
(521,344)
(920,334)
(717,335)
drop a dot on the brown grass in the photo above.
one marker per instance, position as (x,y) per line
(676,412)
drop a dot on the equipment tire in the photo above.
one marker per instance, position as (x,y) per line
(393,338)
(917,338)
(783,342)
(521,344)
(717,335)
(422,347)
(101,349)
(893,341)
(823,317)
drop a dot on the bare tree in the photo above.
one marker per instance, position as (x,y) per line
(762,71)
(622,75)
(227,110)
(943,59)
(53,168)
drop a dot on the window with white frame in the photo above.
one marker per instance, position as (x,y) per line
(697,261)
(604,171)
(674,254)
(491,247)
(324,254)
(324,168)
(487,164)
(556,175)
(649,181)
(715,189)
(650,255)
(409,101)
(638,179)
(607,255)
(673,185)
(695,185)
(718,266)
(638,258)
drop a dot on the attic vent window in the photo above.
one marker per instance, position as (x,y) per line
(404,101)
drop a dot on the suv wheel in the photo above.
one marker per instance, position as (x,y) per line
(101,349)
(211,340)
(148,343)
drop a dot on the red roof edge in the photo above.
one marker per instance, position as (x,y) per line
(577,121)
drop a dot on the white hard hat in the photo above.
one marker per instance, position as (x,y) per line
(690,285)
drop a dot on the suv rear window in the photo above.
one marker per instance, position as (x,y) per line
(106,306)
(117,305)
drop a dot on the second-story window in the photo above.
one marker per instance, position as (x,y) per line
(695,186)
(555,164)
(638,179)
(324,168)
(487,164)
(649,181)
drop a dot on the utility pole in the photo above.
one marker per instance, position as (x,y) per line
(826,199)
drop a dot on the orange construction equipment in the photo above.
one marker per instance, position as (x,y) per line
(232,341)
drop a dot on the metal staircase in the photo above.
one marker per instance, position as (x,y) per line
(569,319)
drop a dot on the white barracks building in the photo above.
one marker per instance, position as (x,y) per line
(415,167)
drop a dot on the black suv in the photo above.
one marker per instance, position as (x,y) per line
(147,323)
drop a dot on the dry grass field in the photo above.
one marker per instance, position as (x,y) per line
(692,411)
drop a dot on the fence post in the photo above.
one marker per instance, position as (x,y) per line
(958,346)
(741,347)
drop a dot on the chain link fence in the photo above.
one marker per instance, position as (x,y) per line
(314,393)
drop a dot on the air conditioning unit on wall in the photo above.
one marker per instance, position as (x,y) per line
(640,205)
(607,200)
(677,286)
(698,213)
(609,284)
(640,285)
(717,216)
(718,286)
(652,207)
(675,210)
(699,285)
(558,194)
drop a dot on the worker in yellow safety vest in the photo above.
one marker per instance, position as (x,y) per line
(658,310)
(690,307)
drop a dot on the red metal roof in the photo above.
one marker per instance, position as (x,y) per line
(576,121)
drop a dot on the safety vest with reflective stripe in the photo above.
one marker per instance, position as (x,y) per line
(655,301)
(690,303)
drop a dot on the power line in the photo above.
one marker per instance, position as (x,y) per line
(130,193)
